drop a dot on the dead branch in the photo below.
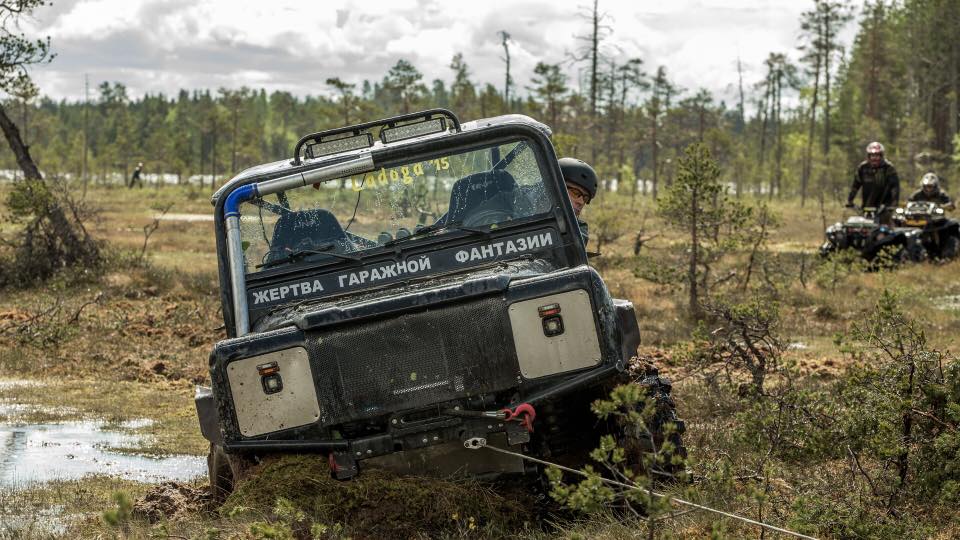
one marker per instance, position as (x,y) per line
(151,228)
(76,316)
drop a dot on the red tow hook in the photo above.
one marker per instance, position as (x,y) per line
(526,411)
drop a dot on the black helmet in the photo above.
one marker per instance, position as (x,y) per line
(577,172)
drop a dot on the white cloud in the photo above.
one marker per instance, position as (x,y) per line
(155,46)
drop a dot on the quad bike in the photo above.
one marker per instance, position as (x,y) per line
(875,243)
(939,235)
(360,333)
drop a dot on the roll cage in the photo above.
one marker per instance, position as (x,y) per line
(305,168)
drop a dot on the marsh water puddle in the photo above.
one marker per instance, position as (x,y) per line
(36,446)
(69,450)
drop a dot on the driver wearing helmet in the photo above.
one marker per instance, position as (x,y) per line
(879,182)
(930,192)
(581,181)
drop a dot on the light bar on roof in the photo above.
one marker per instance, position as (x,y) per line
(335,146)
(408,131)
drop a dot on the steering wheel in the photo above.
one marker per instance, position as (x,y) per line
(305,243)
(487,217)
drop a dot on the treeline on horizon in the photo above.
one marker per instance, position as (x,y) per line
(899,83)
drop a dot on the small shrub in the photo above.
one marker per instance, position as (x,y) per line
(120,515)
(626,461)
(49,236)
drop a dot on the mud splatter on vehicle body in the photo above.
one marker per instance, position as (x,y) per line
(387,300)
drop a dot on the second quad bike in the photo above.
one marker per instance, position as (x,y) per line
(939,234)
(404,286)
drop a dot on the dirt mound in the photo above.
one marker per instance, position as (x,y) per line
(170,500)
(380,504)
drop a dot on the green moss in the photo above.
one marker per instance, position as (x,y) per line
(377,503)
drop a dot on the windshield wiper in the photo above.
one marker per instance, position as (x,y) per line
(436,227)
(322,249)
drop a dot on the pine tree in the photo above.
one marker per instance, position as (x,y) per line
(51,238)
(404,81)
(696,205)
(550,86)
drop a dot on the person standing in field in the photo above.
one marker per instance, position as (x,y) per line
(135,177)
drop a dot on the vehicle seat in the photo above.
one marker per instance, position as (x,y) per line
(532,199)
(304,230)
(489,193)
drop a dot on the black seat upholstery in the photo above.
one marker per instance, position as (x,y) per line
(304,230)
(485,192)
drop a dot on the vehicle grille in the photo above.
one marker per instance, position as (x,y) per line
(412,360)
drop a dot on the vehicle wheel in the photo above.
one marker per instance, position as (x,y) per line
(639,443)
(951,247)
(219,473)
(224,470)
(915,252)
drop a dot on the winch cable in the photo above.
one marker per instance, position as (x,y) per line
(476,443)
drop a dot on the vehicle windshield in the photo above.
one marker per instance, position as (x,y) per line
(474,190)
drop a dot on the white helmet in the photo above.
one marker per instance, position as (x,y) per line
(930,179)
(875,148)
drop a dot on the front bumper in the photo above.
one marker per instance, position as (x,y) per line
(409,430)
(372,406)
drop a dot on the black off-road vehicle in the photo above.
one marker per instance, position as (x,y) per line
(402,286)
(873,241)
(939,234)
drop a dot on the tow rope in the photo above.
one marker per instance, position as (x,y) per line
(476,443)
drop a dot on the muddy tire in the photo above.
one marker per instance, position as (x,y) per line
(951,247)
(225,470)
(219,473)
(915,252)
(664,427)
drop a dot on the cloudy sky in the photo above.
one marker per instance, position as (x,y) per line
(155,46)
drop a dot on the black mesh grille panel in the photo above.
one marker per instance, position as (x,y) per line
(412,360)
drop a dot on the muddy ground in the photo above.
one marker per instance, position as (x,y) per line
(119,354)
